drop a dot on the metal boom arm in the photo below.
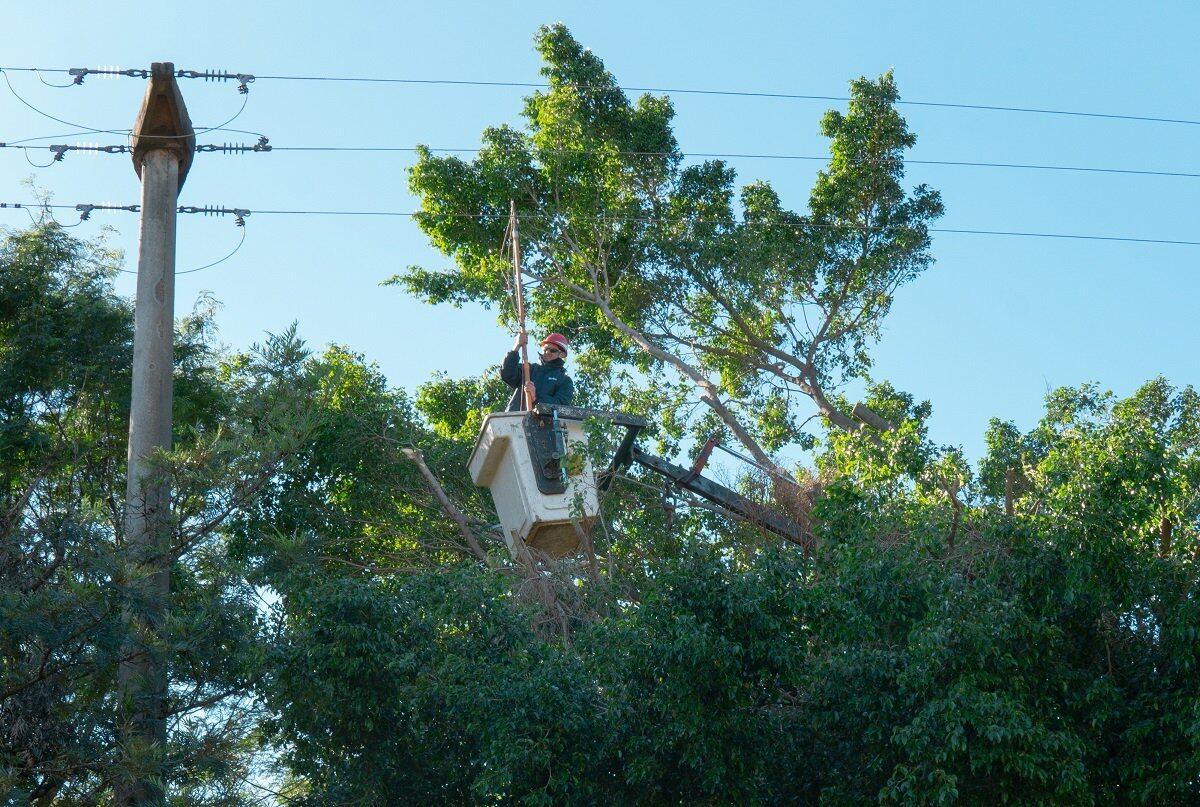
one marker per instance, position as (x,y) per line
(723,497)
(687,478)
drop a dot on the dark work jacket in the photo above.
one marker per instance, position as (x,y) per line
(550,380)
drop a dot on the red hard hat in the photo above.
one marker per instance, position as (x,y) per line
(559,341)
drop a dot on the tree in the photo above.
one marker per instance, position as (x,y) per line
(651,262)
(920,655)
(65,345)
(1025,631)
(65,349)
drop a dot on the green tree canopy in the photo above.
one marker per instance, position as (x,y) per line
(1023,631)
(647,260)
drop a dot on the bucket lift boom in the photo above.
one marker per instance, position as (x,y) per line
(689,479)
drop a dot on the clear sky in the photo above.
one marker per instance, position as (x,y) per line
(994,324)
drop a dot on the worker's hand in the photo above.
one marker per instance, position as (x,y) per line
(522,340)
(530,393)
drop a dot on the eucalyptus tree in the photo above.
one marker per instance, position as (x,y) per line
(669,267)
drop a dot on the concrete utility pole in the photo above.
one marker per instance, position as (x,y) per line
(163,146)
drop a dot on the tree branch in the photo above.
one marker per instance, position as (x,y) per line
(448,506)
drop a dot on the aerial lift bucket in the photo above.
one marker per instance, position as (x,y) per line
(547,495)
(536,467)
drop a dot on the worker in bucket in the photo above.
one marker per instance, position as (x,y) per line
(548,380)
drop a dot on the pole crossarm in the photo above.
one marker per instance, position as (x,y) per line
(163,122)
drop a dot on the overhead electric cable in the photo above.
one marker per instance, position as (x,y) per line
(233,252)
(53,160)
(42,78)
(716,155)
(93,130)
(17,95)
(263,146)
(795,225)
(741,94)
(13,143)
(226,257)
(1030,110)
(85,211)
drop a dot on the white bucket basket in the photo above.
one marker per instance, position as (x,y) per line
(502,462)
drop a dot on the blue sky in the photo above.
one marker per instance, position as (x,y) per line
(994,324)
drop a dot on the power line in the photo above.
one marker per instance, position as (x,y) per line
(85,212)
(741,94)
(64,135)
(17,95)
(809,225)
(244,212)
(42,79)
(78,75)
(264,146)
(233,252)
(245,78)
(93,130)
(715,155)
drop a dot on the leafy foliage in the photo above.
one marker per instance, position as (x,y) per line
(65,347)
(1025,631)
(669,268)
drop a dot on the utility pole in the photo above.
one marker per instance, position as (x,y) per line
(163,145)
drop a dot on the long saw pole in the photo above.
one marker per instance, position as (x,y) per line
(520,289)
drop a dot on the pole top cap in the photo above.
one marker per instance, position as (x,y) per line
(163,122)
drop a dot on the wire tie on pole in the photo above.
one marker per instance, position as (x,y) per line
(95,148)
(85,210)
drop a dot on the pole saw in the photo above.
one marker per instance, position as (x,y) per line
(520,292)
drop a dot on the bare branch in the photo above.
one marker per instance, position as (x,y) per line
(448,506)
